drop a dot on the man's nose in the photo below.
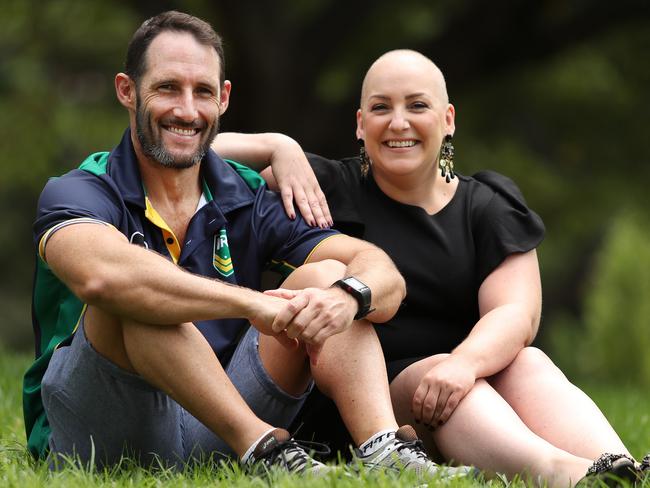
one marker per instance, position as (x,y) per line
(185,109)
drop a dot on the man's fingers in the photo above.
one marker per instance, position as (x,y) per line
(290,310)
(282,293)
(291,344)
(314,352)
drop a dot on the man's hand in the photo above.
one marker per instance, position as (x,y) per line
(268,307)
(313,314)
(441,390)
(296,181)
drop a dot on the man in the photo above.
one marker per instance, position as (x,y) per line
(149,258)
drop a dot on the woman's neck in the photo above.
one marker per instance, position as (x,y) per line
(430,191)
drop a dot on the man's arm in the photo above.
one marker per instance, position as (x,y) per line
(313,314)
(290,171)
(370,265)
(103,269)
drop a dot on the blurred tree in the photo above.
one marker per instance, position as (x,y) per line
(551,93)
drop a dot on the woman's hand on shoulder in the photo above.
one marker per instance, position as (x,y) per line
(441,390)
(290,172)
(297,182)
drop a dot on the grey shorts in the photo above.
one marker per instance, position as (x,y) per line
(99,412)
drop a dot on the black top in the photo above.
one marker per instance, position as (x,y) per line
(444,257)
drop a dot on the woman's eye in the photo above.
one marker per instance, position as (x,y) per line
(379,107)
(419,105)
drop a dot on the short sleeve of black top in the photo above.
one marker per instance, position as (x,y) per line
(443,257)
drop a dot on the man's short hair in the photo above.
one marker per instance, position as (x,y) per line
(176,22)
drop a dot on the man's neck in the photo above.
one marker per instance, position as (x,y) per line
(170,187)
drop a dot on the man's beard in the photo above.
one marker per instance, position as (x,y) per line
(154,149)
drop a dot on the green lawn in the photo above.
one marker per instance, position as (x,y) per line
(627,408)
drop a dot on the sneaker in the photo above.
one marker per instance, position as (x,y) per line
(406,451)
(644,466)
(613,470)
(278,449)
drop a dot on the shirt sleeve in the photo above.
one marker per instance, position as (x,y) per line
(504,225)
(286,243)
(341,183)
(76,197)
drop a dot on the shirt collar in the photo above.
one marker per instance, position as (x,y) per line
(227,189)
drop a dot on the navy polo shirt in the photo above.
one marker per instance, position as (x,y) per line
(238,232)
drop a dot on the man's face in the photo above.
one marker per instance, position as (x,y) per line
(178,101)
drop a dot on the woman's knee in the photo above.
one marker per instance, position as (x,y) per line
(532,361)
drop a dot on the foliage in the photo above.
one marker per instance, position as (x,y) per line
(617,310)
(549,93)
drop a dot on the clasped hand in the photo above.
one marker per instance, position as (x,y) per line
(441,390)
(310,316)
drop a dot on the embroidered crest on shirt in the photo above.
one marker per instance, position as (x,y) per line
(221,255)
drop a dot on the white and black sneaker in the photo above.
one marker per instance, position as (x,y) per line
(406,452)
(278,449)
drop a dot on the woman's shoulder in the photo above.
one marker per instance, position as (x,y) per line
(334,169)
(341,182)
(487,186)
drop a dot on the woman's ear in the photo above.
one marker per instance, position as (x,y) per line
(360,131)
(450,119)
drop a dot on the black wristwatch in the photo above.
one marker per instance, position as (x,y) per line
(359,291)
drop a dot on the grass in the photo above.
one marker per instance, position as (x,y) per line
(627,408)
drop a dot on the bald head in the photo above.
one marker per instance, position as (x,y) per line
(404,63)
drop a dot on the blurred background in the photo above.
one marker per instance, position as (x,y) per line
(554,94)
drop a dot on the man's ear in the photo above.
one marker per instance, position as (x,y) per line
(360,131)
(125,90)
(224,97)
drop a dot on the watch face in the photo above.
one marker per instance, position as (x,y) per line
(354,283)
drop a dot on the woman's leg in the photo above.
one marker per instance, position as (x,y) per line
(555,409)
(485,432)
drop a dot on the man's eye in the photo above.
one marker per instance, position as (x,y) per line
(206,92)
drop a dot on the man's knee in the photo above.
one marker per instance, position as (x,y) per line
(320,274)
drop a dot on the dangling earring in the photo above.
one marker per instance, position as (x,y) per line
(446,159)
(365,160)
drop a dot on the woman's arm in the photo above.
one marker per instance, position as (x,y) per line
(510,308)
(291,173)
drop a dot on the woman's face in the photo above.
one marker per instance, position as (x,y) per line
(404,115)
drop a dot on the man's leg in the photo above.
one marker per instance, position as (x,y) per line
(350,368)
(178,361)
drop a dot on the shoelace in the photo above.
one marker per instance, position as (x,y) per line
(416,447)
(299,459)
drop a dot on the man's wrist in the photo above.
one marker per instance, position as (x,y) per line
(360,292)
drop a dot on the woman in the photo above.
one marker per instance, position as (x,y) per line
(458,352)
